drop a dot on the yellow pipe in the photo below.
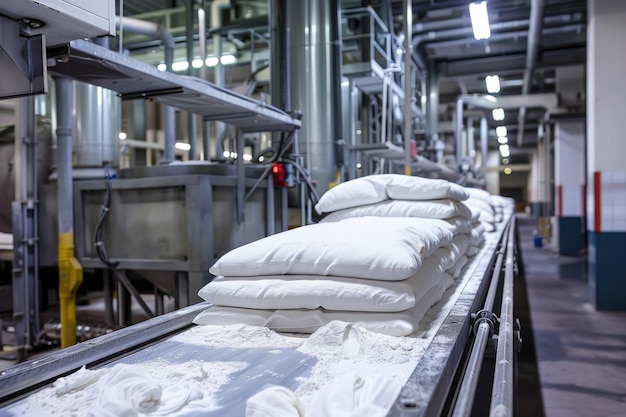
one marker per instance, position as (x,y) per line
(407,170)
(70,278)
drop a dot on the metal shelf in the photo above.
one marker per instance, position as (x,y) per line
(132,79)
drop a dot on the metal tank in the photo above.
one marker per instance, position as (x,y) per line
(97,124)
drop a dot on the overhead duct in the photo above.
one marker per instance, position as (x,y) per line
(450,34)
(534,31)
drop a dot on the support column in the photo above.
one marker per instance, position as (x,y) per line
(570,180)
(606,175)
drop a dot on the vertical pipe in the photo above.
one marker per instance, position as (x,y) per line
(241,177)
(192,127)
(484,132)
(70,270)
(432,105)
(169,117)
(280,67)
(408,51)
(216,21)
(458,132)
(316,83)
(202,45)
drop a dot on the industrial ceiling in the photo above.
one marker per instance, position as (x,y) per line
(536,46)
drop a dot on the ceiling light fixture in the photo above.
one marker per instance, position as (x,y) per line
(183,146)
(505,151)
(493,83)
(480,20)
(498,114)
(503,140)
(501,131)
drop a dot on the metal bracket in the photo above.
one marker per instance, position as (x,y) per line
(484,316)
(517,336)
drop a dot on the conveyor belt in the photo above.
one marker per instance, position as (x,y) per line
(424,393)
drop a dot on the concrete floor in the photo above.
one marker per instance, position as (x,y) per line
(580,352)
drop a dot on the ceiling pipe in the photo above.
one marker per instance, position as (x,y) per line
(534,32)
(455,33)
(509,35)
(459,30)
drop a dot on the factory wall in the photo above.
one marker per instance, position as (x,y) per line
(570,180)
(606,150)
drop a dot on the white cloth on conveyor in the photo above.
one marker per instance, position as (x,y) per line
(431,209)
(274,401)
(347,395)
(372,248)
(401,323)
(351,395)
(124,390)
(331,292)
(376,188)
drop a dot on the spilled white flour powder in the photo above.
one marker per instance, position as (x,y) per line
(236,336)
(205,378)
(341,347)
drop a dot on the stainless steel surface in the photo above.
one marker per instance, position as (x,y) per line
(97,123)
(64,20)
(22,60)
(173,225)
(94,64)
(502,394)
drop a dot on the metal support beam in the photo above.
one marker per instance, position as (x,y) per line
(25,233)
(408,51)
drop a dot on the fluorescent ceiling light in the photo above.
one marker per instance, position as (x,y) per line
(493,83)
(501,131)
(505,151)
(498,114)
(180,66)
(183,146)
(503,139)
(480,20)
(228,59)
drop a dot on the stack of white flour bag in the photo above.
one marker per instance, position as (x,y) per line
(386,249)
